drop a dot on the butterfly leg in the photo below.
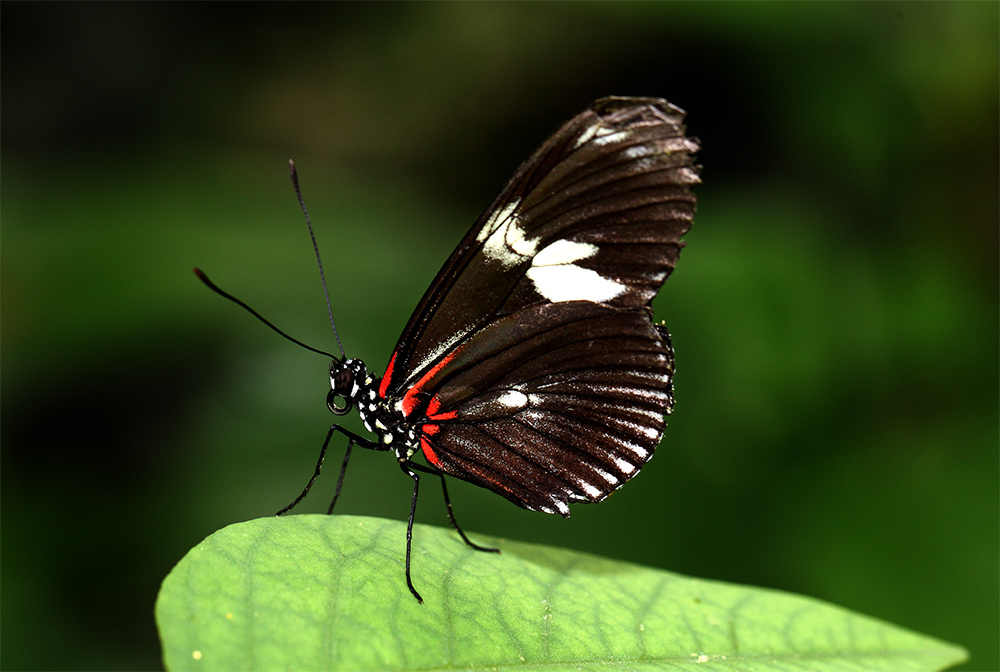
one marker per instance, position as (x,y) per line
(454,523)
(353,438)
(451,513)
(340,478)
(406,465)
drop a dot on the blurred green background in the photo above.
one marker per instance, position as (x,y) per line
(835,314)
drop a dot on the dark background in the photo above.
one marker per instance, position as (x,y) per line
(835,313)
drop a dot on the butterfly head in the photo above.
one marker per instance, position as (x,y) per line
(346,375)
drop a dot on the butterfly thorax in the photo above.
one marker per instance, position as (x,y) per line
(351,382)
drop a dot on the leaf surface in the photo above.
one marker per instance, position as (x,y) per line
(320,592)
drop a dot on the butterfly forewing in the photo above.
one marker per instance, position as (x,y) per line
(618,173)
(532,365)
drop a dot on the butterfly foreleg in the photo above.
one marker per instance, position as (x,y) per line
(352,439)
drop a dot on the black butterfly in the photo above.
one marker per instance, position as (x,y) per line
(532,367)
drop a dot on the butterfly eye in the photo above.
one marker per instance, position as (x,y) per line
(342,380)
(331,402)
(342,387)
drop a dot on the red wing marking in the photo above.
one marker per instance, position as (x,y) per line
(433,406)
(430,431)
(384,387)
(425,444)
(410,400)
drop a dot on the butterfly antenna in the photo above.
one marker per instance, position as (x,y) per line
(319,261)
(211,285)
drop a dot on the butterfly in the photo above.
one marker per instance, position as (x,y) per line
(532,366)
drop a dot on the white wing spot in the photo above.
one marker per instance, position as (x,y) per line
(639,151)
(513,399)
(641,392)
(498,217)
(636,449)
(689,176)
(654,416)
(572,283)
(520,244)
(563,252)
(586,136)
(625,466)
(651,432)
(503,238)
(561,505)
(605,136)
(613,480)
(590,489)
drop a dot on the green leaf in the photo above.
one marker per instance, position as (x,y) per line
(328,593)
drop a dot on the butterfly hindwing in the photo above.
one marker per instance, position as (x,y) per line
(567,409)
